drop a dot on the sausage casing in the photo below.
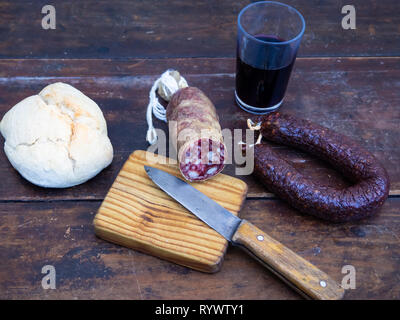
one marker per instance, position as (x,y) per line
(370,180)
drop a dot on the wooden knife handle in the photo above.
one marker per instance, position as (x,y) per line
(289,266)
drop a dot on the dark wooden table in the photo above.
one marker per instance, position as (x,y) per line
(348,80)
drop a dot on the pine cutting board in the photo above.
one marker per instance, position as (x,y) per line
(139,215)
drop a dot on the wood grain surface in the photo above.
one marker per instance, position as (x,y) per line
(357,97)
(177,28)
(137,214)
(303,276)
(347,80)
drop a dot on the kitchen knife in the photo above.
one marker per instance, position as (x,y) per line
(300,274)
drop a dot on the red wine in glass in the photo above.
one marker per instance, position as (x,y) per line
(262,88)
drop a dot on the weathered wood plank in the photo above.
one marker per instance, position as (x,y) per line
(61,234)
(151,29)
(356,96)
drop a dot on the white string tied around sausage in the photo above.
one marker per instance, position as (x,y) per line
(166,85)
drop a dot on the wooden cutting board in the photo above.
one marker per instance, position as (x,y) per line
(139,215)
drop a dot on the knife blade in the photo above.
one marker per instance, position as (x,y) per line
(300,274)
(204,208)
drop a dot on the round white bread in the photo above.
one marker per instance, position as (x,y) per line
(58,138)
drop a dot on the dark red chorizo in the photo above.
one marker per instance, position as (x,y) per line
(370,180)
(196,133)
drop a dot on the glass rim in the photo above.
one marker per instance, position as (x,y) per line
(299,35)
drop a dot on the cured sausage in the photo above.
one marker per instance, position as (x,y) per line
(196,133)
(370,180)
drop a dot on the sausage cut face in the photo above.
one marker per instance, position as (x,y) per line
(202,159)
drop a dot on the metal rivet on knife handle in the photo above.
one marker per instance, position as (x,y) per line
(285,263)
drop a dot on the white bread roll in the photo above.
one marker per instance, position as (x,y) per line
(58,138)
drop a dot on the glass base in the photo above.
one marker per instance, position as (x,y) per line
(255,110)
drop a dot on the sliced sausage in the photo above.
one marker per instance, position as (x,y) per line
(195,130)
